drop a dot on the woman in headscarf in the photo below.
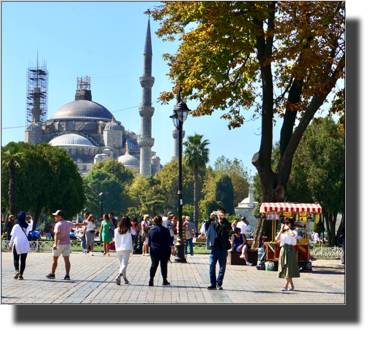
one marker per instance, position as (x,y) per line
(19,242)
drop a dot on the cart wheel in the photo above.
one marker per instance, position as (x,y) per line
(302,265)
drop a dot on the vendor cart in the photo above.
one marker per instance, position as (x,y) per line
(277,211)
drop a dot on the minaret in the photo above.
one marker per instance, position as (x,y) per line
(175,134)
(145,141)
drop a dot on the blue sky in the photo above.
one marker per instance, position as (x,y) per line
(104,40)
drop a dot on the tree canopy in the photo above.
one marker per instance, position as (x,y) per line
(225,193)
(48,180)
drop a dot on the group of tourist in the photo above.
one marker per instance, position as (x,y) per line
(159,239)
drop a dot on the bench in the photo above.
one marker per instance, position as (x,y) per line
(233,258)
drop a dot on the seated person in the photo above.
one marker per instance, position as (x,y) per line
(239,244)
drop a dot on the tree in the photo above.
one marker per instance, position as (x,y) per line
(268,59)
(318,172)
(115,198)
(225,193)
(48,180)
(11,159)
(196,156)
(112,166)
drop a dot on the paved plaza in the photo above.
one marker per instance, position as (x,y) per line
(93,282)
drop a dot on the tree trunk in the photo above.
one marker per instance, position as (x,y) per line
(12,189)
(37,215)
(196,198)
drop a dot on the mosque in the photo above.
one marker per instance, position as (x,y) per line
(90,133)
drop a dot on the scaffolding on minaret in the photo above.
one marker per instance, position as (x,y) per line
(36,93)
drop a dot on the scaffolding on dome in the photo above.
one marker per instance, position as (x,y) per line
(84,83)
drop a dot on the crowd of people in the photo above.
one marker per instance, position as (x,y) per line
(156,240)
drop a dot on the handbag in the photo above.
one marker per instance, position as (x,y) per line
(112,245)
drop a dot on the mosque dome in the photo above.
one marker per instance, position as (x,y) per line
(129,160)
(82,109)
(71,139)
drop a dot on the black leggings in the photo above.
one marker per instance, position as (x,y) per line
(162,258)
(16,258)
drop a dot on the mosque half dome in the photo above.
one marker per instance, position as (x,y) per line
(34,127)
(71,139)
(82,109)
(113,126)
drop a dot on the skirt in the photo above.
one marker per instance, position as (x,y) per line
(287,263)
(90,237)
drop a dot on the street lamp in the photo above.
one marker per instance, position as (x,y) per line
(179,116)
(101,196)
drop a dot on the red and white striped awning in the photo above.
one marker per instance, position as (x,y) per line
(289,207)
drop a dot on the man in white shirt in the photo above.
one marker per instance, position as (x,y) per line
(167,223)
(243,225)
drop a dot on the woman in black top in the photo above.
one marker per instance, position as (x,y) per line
(9,227)
(160,243)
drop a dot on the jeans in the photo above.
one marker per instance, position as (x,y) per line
(48,235)
(215,255)
(189,242)
(84,243)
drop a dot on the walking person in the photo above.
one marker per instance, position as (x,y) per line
(160,243)
(89,231)
(20,243)
(342,240)
(124,246)
(145,227)
(106,236)
(219,249)
(113,224)
(62,243)
(287,262)
(190,229)
(135,238)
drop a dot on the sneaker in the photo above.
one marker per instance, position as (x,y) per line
(166,283)
(249,263)
(118,280)
(20,277)
(66,278)
(211,287)
(17,274)
(84,251)
(126,282)
(91,254)
(50,276)
(219,287)
(241,256)
(150,282)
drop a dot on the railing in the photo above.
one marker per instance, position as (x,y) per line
(326,252)
(44,246)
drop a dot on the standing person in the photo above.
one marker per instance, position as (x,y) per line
(342,240)
(145,227)
(175,224)
(124,246)
(9,226)
(243,225)
(220,248)
(190,229)
(89,231)
(160,243)
(239,244)
(106,236)
(168,224)
(287,262)
(48,230)
(135,237)
(20,243)
(113,224)
(62,243)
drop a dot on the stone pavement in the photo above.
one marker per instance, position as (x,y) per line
(93,281)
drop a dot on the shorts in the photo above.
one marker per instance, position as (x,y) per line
(62,249)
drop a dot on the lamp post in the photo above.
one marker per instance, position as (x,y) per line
(179,116)
(101,196)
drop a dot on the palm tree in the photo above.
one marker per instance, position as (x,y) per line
(12,159)
(196,157)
